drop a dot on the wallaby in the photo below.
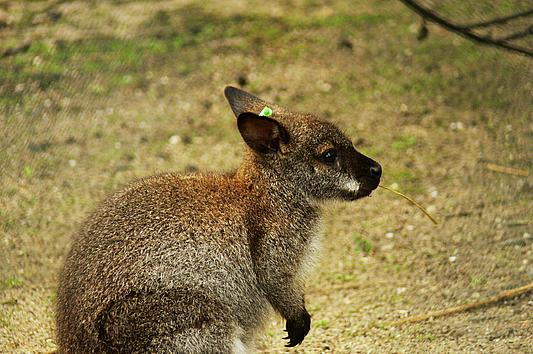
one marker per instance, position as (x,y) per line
(195,263)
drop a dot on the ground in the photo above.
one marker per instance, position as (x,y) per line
(94,94)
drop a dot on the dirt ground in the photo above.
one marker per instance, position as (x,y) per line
(96,93)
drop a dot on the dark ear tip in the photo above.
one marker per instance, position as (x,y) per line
(230,91)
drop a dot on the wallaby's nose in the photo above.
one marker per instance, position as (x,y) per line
(375,171)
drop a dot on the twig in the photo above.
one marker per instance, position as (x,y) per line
(412,202)
(507,294)
(508,170)
(466,32)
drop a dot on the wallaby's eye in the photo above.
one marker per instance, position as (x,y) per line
(329,156)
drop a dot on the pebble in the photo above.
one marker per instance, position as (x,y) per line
(457,126)
(400,290)
(37,60)
(389,235)
(174,139)
(452,259)
(403,313)
(72,163)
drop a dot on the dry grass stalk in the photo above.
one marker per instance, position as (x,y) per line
(507,294)
(508,170)
(412,202)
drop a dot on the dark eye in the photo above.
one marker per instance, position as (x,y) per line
(329,157)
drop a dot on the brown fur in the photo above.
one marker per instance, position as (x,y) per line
(194,263)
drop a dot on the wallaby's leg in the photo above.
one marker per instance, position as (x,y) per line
(168,322)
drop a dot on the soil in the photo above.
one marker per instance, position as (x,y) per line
(109,91)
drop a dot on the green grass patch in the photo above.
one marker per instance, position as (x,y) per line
(11,283)
(362,245)
(400,176)
(343,277)
(476,282)
(403,142)
(324,324)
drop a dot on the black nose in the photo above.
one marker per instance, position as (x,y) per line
(375,171)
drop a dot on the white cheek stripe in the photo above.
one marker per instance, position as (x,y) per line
(352,185)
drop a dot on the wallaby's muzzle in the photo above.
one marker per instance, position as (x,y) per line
(368,173)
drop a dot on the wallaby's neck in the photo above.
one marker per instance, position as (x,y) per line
(271,185)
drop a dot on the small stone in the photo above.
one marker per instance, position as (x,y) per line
(434,194)
(452,259)
(72,163)
(409,227)
(526,235)
(403,313)
(457,126)
(37,60)
(400,291)
(389,235)
(174,139)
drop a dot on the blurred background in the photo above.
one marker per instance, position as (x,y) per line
(96,93)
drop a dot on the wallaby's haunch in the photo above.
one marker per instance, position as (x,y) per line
(193,264)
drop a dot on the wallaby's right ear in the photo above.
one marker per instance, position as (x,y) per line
(263,134)
(241,101)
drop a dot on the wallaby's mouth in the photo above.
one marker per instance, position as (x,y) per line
(363,192)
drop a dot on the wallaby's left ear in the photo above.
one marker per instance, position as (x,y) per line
(241,101)
(263,134)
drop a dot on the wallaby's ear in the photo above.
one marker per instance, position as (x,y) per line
(263,134)
(241,101)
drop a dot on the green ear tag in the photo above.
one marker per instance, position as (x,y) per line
(266,112)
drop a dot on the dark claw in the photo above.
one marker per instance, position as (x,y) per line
(297,328)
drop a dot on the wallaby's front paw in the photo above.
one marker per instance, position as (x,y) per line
(297,328)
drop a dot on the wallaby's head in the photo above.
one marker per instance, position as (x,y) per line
(310,154)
